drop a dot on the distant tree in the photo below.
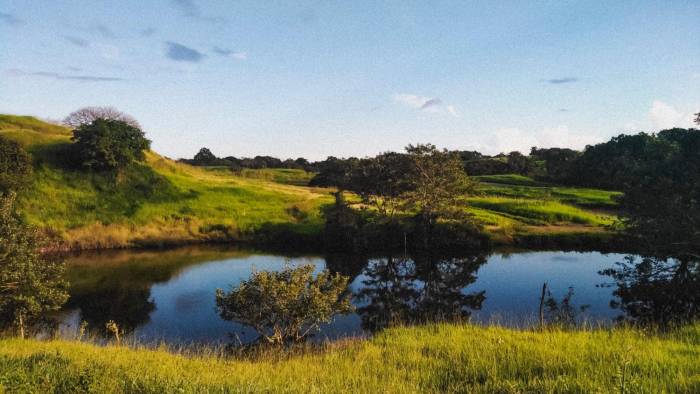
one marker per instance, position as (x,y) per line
(381,181)
(519,163)
(288,305)
(204,157)
(87,115)
(437,181)
(30,286)
(109,144)
(15,166)
(558,162)
(334,172)
(697,118)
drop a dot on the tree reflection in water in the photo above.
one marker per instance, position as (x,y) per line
(656,291)
(406,291)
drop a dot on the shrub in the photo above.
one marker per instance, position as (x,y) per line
(288,305)
(15,165)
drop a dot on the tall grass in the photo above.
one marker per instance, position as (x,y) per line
(433,358)
(540,211)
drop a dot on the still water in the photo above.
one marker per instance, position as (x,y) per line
(169,295)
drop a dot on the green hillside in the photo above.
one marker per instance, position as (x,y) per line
(162,201)
(157,202)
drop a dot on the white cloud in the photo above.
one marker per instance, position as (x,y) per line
(664,116)
(426,104)
(510,139)
(240,55)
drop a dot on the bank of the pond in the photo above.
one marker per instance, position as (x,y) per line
(434,358)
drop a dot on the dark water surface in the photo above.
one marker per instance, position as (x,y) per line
(169,295)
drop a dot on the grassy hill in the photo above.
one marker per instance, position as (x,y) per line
(162,201)
(432,358)
(157,202)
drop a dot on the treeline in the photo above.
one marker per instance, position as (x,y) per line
(608,165)
(206,158)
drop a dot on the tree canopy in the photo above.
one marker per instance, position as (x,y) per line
(87,115)
(107,144)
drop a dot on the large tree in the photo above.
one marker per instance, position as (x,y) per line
(30,286)
(107,144)
(381,181)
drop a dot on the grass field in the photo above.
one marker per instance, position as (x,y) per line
(160,201)
(165,202)
(433,358)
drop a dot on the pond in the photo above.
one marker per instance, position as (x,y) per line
(169,295)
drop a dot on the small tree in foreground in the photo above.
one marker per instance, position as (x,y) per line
(15,166)
(288,305)
(29,285)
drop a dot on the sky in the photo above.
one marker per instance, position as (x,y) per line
(356,78)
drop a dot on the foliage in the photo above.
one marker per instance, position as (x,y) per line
(30,286)
(87,115)
(109,144)
(435,358)
(662,195)
(381,181)
(288,305)
(558,162)
(437,180)
(15,166)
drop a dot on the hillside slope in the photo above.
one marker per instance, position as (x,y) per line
(159,201)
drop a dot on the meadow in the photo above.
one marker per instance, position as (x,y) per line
(164,202)
(432,358)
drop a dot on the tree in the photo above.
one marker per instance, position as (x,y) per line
(108,144)
(437,181)
(204,157)
(87,115)
(381,181)
(288,305)
(15,165)
(30,286)
(697,118)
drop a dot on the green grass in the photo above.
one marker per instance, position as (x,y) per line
(508,179)
(433,358)
(539,212)
(158,201)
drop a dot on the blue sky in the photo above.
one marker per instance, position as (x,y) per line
(357,78)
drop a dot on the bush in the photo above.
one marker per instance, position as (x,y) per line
(109,144)
(15,166)
(288,305)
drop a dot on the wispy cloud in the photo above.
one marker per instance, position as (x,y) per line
(191,10)
(426,104)
(558,81)
(181,53)
(10,19)
(63,77)
(147,32)
(105,31)
(240,55)
(79,42)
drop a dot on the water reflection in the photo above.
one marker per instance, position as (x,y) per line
(169,295)
(656,291)
(401,290)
